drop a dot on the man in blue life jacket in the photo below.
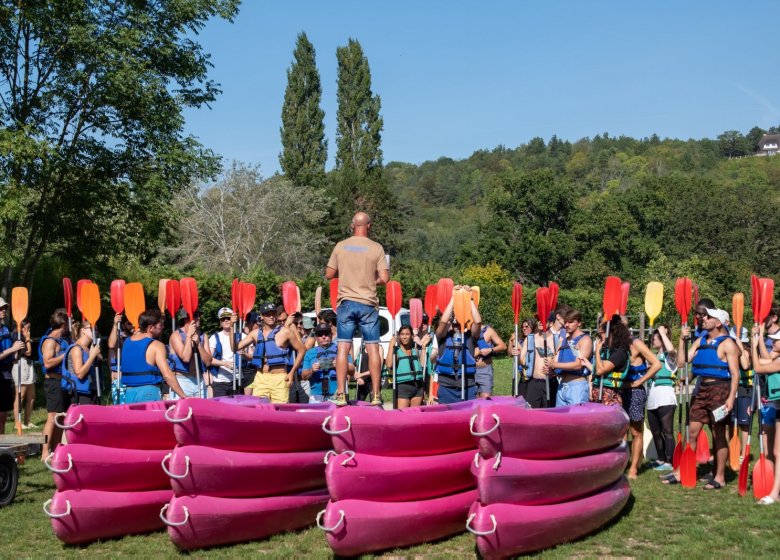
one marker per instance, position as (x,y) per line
(714,359)
(8,351)
(574,346)
(51,350)
(360,265)
(319,364)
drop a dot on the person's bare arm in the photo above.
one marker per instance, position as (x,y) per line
(653,363)
(50,358)
(159,357)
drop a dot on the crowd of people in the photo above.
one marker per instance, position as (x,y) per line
(303,358)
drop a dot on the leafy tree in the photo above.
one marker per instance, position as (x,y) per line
(304,147)
(733,144)
(92,144)
(754,137)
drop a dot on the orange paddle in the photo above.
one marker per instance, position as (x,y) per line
(162,287)
(134,302)
(764,470)
(744,468)
(318,301)
(735,445)
(19,306)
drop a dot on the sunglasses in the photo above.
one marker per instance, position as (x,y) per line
(225,319)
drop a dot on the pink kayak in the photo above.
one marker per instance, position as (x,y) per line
(547,433)
(546,481)
(194,469)
(264,428)
(80,466)
(249,400)
(128,426)
(358,526)
(411,432)
(82,516)
(360,476)
(203,521)
(505,530)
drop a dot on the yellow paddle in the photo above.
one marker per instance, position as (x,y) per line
(654,301)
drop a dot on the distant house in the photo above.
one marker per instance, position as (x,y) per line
(769,145)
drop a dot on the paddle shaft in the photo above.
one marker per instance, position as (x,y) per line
(395,384)
(463,364)
(601,378)
(516,365)
(687,395)
(359,363)
(547,374)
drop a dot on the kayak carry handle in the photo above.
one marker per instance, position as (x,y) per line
(470,529)
(350,455)
(490,431)
(53,469)
(56,515)
(498,461)
(171,523)
(177,476)
(178,420)
(329,529)
(336,432)
(64,426)
(476,459)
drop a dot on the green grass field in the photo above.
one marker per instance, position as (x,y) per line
(658,520)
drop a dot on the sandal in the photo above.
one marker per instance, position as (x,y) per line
(713,485)
(670,479)
(766,501)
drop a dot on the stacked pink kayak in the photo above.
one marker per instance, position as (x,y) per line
(242,473)
(397,477)
(108,479)
(545,476)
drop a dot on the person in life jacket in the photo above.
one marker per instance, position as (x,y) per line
(79,366)
(610,367)
(661,399)
(715,360)
(408,368)
(573,345)
(768,364)
(24,372)
(767,413)
(272,342)
(293,322)
(224,363)
(183,344)
(524,373)
(532,357)
(488,344)
(745,390)
(8,351)
(456,354)
(51,350)
(144,362)
(306,332)
(319,364)
(249,370)
(425,341)
(121,329)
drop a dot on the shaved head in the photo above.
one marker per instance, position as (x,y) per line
(360,219)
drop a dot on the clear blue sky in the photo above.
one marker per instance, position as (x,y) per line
(457,76)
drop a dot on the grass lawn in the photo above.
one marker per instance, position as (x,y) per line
(658,520)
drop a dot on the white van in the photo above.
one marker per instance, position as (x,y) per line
(402,318)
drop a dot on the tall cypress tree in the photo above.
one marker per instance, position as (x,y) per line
(304,147)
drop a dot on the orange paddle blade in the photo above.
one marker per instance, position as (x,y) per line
(318,301)
(678,449)
(702,448)
(67,288)
(334,293)
(444,293)
(298,295)
(79,290)
(415,312)
(517,299)
(475,295)
(688,467)
(462,307)
(393,297)
(118,295)
(755,296)
(735,446)
(90,303)
(290,297)
(135,303)
(738,311)
(744,470)
(162,288)
(763,477)
(19,305)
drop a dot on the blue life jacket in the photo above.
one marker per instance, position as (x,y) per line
(526,370)
(451,360)
(177,365)
(217,355)
(63,342)
(706,362)
(5,343)
(135,369)
(267,352)
(566,355)
(120,341)
(320,380)
(70,381)
(481,342)
(636,372)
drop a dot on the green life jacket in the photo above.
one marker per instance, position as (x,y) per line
(665,377)
(407,368)
(615,379)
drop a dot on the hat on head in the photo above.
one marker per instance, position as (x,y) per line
(267,307)
(224,312)
(322,328)
(718,314)
(3,303)
(307,322)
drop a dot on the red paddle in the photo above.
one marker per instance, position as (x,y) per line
(702,448)
(517,304)
(755,297)
(415,313)
(393,302)
(553,287)
(764,471)
(118,296)
(444,293)
(682,301)
(67,288)
(235,295)
(189,296)
(543,301)
(625,287)
(767,287)
(334,293)
(610,305)
(290,297)
(744,468)
(173,300)
(430,302)
(247,299)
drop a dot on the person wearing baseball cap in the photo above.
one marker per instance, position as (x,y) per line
(319,364)
(715,360)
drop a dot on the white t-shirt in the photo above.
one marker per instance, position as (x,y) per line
(659,396)
(224,374)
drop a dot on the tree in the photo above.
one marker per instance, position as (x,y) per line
(733,144)
(92,144)
(243,221)
(754,137)
(304,147)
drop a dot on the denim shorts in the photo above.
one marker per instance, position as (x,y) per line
(350,315)
(572,392)
(189,387)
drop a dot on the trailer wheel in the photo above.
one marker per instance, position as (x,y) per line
(9,479)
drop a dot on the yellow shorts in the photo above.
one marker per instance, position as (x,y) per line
(271,385)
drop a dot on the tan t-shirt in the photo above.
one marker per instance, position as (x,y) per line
(357,261)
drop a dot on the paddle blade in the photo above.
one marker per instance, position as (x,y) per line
(688,467)
(475,293)
(90,301)
(162,286)
(734,449)
(20,301)
(189,296)
(235,295)
(678,449)
(318,301)
(430,301)
(744,469)
(415,312)
(542,302)
(393,297)
(738,311)
(702,448)
(67,288)
(444,293)
(517,299)
(462,309)
(763,477)
(79,290)
(682,298)
(172,297)
(767,295)
(654,300)
(134,302)
(755,296)
(247,299)
(118,295)
(610,303)
(290,297)
(625,287)
(298,294)
(334,293)
(553,287)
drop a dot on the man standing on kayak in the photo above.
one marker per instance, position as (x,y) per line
(360,266)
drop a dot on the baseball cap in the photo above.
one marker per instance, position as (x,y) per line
(718,314)
(322,328)
(224,312)
(267,307)
(3,303)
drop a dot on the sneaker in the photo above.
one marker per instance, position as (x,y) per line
(376,400)
(340,399)
(663,467)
